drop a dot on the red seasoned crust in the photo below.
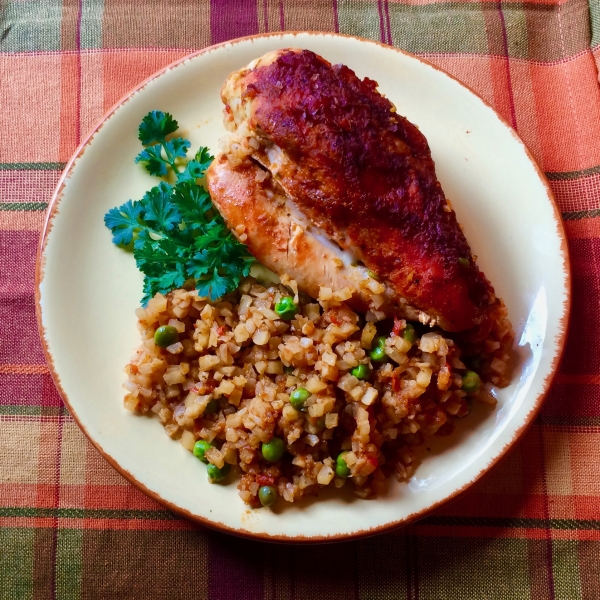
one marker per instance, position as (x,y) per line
(364,174)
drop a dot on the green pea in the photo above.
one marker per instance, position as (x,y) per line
(286,308)
(463,262)
(211,407)
(298,397)
(378,354)
(165,336)
(267,495)
(288,370)
(201,447)
(341,468)
(361,372)
(216,474)
(471,382)
(273,449)
(379,341)
(409,333)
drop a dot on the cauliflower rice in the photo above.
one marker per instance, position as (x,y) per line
(239,353)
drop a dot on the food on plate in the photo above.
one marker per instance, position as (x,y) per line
(174,231)
(339,188)
(373,330)
(304,402)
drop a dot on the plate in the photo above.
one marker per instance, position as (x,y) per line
(88,289)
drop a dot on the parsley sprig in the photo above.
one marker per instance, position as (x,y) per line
(176,232)
(159,154)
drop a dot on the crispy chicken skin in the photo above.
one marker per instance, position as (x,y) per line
(359,174)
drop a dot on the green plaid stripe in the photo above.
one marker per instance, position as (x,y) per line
(92,12)
(32,411)
(360,18)
(30,26)
(40,166)
(83,513)
(595,22)
(388,567)
(461,27)
(581,214)
(23,206)
(571,175)
(565,567)
(69,563)
(437,521)
(16,563)
(474,567)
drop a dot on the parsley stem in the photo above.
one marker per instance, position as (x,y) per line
(171,161)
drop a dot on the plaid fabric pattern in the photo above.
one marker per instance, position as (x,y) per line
(71,527)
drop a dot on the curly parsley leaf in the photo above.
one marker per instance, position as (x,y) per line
(153,160)
(194,204)
(158,158)
(153,256)
(214,287)
(197,167)
(204,157)
(158,210)
(222,254)
(176,231)
(155,126)
(162,284)
(177,147)
(124,222)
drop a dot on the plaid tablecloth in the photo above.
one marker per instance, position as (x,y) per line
(71,527)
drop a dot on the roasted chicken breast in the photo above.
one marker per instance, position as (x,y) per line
(330,185)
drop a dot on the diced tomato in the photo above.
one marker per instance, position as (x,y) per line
(334,317)
(399,325)
(264,480)
(221,330)
(373,460)
(396,386)
(340,315)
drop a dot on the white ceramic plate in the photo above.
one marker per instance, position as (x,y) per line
(88,289)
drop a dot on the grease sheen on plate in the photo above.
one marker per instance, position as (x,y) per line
(511,225)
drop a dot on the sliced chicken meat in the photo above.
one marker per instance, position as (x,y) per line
(335,189)
(287,244)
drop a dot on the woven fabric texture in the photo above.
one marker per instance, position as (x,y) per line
(71,527)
